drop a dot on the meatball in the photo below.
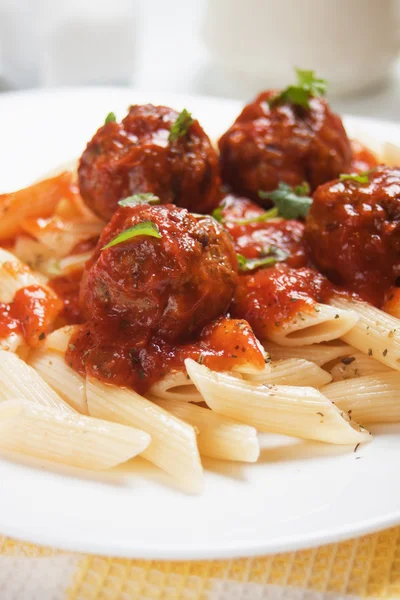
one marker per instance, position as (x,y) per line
(353,232)
(166,288)
(285,142)
(136,156)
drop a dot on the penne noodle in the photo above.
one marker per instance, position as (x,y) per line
(320,354)
(58,339)
(320,324)
(390,154)
(52,367)
(61,236)
(357,364)
(37,200)
(75,262)
(370,399)
(173,445)
(14,275)
(14,342)
(176,385)
(297,411)
(19,380)
(293,371)
(376,333)
(35,255)
(69,438)
(218,436)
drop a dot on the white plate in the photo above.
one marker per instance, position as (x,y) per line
(298,495)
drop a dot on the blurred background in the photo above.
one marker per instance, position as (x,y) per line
(230,48)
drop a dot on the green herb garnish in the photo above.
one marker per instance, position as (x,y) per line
(357,177)
(292,203)
(110,118)
(251,264)
(144,228)
(308,86)
(217,214)
(181,125)
(266,216)
(145,198)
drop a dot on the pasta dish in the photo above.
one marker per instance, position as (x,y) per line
(170,297)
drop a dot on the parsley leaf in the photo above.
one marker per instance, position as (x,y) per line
(110,118)
(181,125)
(144,228)
(357,177)
(145,198)
(292,203)
(307,86)
(251,264)
(269,214)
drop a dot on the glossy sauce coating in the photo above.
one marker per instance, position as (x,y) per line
(254,239)
(353,232)
(222,345)
(269,297)
(135,156)
(67,288)
(284,143)
(31,313)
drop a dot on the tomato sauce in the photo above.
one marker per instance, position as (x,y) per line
(269,297)
(67,288)
(221,346)
(31,313)
(253,238)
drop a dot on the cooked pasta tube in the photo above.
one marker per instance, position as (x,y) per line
(357,364)
(14,342)
(58,339)
(173,445)
(14,275)
(60,235)
(19,380)
(38,200)
(320,324)
(176,385)
(371,399)
(376,333)
(52,367)
(390,154)
(297,411)
(320,354)
(74,262)
(218,436)
(72,439)
(292,371)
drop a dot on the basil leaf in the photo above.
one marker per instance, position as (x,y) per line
(145,198)
(110,118)
(307,86)
(181,125)
(251,264)
(292,203)
(217,214)
(357,177)
(144,228)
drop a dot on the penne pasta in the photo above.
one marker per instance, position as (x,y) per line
(298,411)
(357,364)
(58,339)
(218,436)
(376,333)
(52,367)
(14,275)
(173,445)
(292,371)
(61,236)
(320,354)
(74,262)
(176,385)
(19,380)
(321,324)
(38,200)
(370,399)
(69,438)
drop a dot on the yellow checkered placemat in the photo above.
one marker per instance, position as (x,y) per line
(366,567)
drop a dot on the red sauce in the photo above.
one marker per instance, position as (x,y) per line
(67,288)
(363,159)
(254,239)
(31,313)
(84,246)
(221,346)
(269,297)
